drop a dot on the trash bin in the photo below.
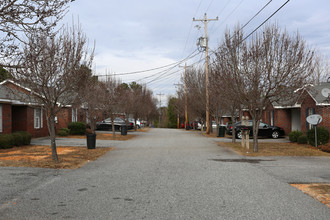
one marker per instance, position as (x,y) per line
(123,130)
(222,131)
(91,141)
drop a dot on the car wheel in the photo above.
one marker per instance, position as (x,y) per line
(275,134)
(239,134)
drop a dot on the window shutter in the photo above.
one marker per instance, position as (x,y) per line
(41,118)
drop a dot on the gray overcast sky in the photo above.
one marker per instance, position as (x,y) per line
(138,35)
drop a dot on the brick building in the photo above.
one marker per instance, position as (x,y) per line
(293,117)
(19,112)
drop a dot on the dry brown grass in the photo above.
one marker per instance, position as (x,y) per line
(104,136)
(40,156)
(144,129)
(320,192)
(276,149)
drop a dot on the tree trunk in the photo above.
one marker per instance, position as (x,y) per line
(233,131)
(255,134)
(113,128)
(52,133)
(135,126)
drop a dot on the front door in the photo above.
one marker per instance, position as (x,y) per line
(295,120)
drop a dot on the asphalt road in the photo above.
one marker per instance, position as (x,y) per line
(167,174)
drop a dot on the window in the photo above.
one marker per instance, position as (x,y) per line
(38,121)
(87,117)
(74,115)
(0,118)
(271,118)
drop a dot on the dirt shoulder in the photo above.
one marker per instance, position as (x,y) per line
(40,156)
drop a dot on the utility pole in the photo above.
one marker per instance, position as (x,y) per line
(160,107)
(205,20)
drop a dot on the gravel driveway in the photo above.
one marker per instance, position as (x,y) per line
(166,174)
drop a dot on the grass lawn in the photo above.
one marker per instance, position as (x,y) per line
(276,149)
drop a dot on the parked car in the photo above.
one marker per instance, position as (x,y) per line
(131,122)
(106,124)
(265,130)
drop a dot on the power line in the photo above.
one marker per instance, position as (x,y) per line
(256,15)
(264,21)
(157,68)
(259,25)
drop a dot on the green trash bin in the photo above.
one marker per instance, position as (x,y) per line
(91,141)
(222,131)
(123,130)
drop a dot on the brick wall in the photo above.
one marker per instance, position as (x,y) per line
(282,118)
(324,111)
(36,132)
(64,117)
(6,119)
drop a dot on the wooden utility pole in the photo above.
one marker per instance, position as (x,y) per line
(205,20)
(160,107)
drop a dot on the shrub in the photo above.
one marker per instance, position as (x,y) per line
(18,139)
(77,128)
(322,136)
(294,135)
(26,137)
(6,141)
(302,139)
(325,148)
(64,132)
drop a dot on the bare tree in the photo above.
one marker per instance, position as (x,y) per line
(19,18)
(268,69)
(111,97)
(322,69)
(51,70)
(88,87)
(196,93)
(226,66)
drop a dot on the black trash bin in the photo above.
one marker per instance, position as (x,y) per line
(123,130)
(91,141)
(222,131)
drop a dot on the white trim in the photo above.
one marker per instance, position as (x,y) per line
(37,120)
(16,84)
(74,113)
(289,106)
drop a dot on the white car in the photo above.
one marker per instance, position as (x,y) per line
(138,123)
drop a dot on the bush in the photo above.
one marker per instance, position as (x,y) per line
(322,136)
(77,128)
(18,139)
(302,139)
(64,132)
(26,137)
(325,148)
(294,135)
(6,141)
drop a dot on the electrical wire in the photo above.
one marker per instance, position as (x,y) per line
(157,68)
(265,21)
